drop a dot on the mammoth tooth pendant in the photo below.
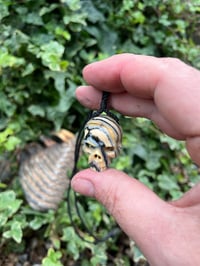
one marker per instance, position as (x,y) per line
(102,141)
(43,172)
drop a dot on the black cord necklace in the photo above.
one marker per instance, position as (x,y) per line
(113,120)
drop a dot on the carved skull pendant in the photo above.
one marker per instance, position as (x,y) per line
(102,141)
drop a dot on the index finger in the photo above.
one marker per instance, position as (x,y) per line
(125,71)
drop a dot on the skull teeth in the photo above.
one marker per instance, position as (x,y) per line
(94,167)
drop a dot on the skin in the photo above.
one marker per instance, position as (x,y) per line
(167,91)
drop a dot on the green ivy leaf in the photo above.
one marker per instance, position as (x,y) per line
(122,162)
(99,255)
(15,232)
(38,221)
(73,5)
(108,40)
(53,258)
(140,151)
(61,32)
(29,68)
(47,9)
(36,110)
(153,160)
(167,183)
(74,243)
(3,11)
(33,18)
(93,14)
(12,143)
(8,60)
(9,205)
(51,54)
(6,105)
(5,134)
(57,113)
(75,18)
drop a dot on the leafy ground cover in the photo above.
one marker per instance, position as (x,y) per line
(43,48)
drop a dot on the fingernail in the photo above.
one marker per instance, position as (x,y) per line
(83,186)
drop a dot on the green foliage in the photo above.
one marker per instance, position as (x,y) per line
(13,223)
(52,258)
(157,160)
(43,47)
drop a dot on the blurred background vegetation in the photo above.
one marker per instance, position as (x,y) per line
(43,47)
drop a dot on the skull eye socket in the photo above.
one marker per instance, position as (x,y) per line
(107,149)
(89,145)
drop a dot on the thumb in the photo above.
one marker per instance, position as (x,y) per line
(138,211)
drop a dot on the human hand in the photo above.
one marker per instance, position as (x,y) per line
(166,91)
